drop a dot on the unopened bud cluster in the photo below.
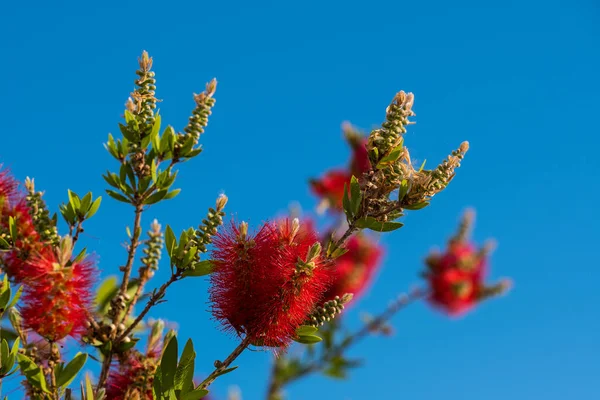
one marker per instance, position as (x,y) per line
(328,311)
(210,224)
(152,251)
(199,118)
(40,215)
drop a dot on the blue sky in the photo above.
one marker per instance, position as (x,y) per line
(518,79)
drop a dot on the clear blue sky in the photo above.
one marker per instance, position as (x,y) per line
(518,79)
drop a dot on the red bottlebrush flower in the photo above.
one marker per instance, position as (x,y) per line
(27,244)
(354,270)
(133,378)
(57,297)
(8,188)
(331,187)
(266,285)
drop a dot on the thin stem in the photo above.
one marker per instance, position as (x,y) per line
(320,363)
(154,299)
(78,230)
(222,366)
(138,292)
(135,241)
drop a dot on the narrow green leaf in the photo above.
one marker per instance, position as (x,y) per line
(4,245)
(156,197)
(201,268)
(185,370)
(305,330)
(94,207)
(417,206)
(5,294)
(346,203)
(355,195)
(378,226)
(86,202)
(69,372)
(172,194)
(170,240)
(118,196)
(403,190)
(105,293)
(195,394)
(308,339)
(16,297)
(12,227)
(74,200)
(168,364)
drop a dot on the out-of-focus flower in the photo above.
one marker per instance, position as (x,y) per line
(354,270)
(330,188)
(265,285)
(132,378)
(456,276)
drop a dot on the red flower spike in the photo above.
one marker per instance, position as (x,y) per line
(266,285)
(354,270)
(8,188)
(57,298)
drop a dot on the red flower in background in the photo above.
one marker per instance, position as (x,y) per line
(456,278)
(8,188)
(266,285)
(354,270)
(330,187)
(57,297)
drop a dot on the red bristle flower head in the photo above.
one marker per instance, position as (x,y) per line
(8,188)
(57,299)
(354,270)
(27,243)
(330,187)
(265,285)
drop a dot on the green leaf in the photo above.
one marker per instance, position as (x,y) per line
(4,245)
(12,227)
(105,293)
(417,206)
(94,207)
(153,167)
(308,339)
(170,240)
(392,157)
(118,196)
(378,226)
(156,197)
(168,365)
(356,197)
(86,202)
(154,134)
(346,203)
(89,388)
(185,370)
(5,294)
(69,372)
(172,194)
(16,297)
(305,330)
(403,190)
(74,200)
(201,268)
(32,372)
(195,394)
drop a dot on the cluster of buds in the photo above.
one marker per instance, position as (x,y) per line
(43,223)
(328,311)
(199,118)
(99,332)
(456,276)
(210,224)
(152,251)
(118,304)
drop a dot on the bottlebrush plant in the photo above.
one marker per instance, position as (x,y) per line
(270,285)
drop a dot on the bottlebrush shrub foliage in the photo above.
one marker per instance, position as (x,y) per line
(271,285)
